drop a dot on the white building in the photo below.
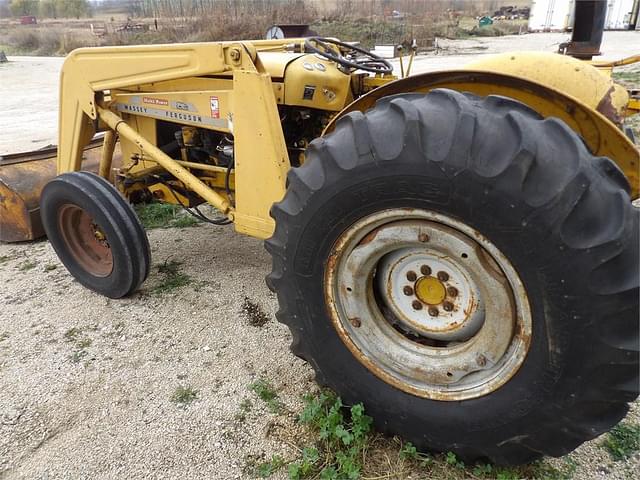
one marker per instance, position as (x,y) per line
(557,15)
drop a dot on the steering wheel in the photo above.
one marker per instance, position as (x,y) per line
(348,56)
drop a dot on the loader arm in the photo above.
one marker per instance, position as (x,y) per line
(90,75)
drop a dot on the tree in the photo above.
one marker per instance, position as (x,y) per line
(23,7)
(72,8)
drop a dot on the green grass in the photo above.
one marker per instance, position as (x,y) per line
(623,441)
(183,396)
(267,394)
(171,278)
(5,258)
(27,265)
(164,215)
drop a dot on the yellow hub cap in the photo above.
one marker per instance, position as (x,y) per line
(430,290)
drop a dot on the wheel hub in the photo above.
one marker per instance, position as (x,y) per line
(428,304)
(428,293)
(430,290)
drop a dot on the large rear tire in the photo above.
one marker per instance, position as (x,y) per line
(538,239)
(95,233)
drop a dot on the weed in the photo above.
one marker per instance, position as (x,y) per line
(306,466)
(409,452)
(268,468)
(71,334)
(622,441)
(257,317)
(452,459)
(245,407)
(5,258)
(183,396)
(50,267)
(28,265)
(163,215)
(342,441)
(267,394)
(84,343)
(172,277)
(4,336)
(78,355)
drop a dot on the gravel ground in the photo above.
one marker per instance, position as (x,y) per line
(86,382)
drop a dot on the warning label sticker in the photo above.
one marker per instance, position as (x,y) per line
(215,107)
(155,101)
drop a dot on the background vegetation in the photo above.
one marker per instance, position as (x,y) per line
(67,24)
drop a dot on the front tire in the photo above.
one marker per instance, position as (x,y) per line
(95,233)
(552,218)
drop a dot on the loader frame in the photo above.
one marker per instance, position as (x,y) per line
(93,84)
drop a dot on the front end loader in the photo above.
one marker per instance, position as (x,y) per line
(457,250)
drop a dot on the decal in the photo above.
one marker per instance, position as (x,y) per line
(155,101)
(171,116)
(215,107)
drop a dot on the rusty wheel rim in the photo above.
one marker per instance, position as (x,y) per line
(428,304)
(85,240)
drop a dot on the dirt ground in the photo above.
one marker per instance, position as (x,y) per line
(87,384)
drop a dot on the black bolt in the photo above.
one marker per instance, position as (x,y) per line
(452,291)
(425,270)
(411,276)
(408,291)
(448,306)
(443,276)
(433,311)
(416,305)
(423,237)
(356,322)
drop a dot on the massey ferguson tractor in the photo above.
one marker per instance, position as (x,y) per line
(458,250)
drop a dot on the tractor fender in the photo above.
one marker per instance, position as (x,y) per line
(600,133)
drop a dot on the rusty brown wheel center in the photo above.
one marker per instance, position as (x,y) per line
(428,304)
(85,240)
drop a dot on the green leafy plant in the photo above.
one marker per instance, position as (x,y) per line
(267,394)
(183,396)
(268,468)
(623,441)
(343,437)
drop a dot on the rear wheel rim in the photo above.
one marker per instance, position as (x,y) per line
(428,304)
(85,240)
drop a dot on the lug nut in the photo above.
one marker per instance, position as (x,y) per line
(416,305)
(448,306)
(356,322)
(452,291)
(433,311)
(425,270)
(423,237)
(443,276)
(408,291)
(411,276)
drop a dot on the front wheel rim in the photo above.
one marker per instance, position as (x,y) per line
(428,304)
(85,240)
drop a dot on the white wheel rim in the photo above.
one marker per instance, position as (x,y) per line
(462,345)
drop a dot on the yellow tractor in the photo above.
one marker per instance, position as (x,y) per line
(458,250)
